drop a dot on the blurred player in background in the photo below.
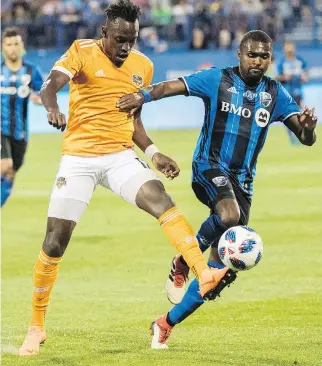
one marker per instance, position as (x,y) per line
(98,150)
(240,105)
(271,71)
(291,71)
(19,81)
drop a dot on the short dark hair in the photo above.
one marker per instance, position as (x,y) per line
(256,36)
(123,9)
(10,32)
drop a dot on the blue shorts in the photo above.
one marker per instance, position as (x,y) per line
(211,185)
(13,149)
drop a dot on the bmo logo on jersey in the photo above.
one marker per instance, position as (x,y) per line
(22,91)
(231,108)
(262,117)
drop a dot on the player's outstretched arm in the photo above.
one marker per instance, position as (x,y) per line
(303,126)
(161,162)
(55,81)
(132,102)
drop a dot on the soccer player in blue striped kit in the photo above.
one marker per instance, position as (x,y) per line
(240,105)
(291,72)
(18,78)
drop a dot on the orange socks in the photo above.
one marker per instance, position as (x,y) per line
(176,228)
(182,237)
(45,275)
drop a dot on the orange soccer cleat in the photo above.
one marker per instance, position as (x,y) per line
(214,280)
(36,337)
(160,331)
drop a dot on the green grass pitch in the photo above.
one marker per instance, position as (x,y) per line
(112,279)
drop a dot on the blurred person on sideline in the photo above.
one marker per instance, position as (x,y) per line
(181,13)
(199,41)
(291,71)
(151,41)
(201,27)
(271,71)
(20,81)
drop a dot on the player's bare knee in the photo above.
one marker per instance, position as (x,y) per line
(6,166)
(164,205)
(230,218)
(58,235)
(228,211)
(153,198)
(11,173)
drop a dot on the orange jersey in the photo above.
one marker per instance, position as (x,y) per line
(95,125)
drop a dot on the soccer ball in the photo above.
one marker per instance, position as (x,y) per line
(240,248)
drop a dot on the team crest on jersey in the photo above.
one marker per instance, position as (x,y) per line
(262,117)
(249,95)
(265,99)
(220,181)
(61,181)
(137,80)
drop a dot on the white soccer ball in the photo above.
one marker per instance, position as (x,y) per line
(240,248)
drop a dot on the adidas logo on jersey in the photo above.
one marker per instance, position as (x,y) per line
(100,73)
(233,90)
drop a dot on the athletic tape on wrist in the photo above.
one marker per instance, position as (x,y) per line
(147,96)
(150,151)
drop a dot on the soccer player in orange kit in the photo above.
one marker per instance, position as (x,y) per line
(98,150)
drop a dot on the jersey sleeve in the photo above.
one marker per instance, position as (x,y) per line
(70,62)
(285,105)
(304,64)
(202,83)
(148,76)
(36,79)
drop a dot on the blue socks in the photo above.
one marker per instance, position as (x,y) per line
(210,232)
(188,305)
(190,302)
(6,187)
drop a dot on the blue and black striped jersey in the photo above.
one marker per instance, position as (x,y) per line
(236,119)
(15,90)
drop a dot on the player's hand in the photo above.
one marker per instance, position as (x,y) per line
(304,79)
(307,119)
(56,118)
(165,165)
(35,98)
(130,103)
